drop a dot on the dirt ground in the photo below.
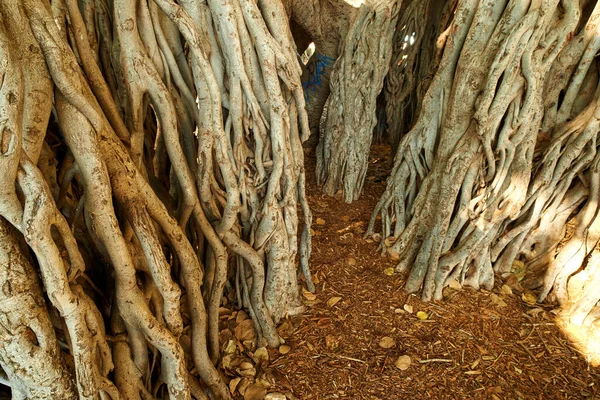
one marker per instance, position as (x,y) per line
(472,345)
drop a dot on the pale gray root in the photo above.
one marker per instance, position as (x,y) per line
(567,175)
(414,57)
(29,351)
(478,179)
(349,115)
(181,127)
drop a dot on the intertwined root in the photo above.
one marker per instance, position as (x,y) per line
(177,130)
(503,156)
(349,114)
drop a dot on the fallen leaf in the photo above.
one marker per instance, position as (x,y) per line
(246,371)
(518,265)
(245,331)
(331,342)
(394,255)
(506,290)
(408,308)
(497,300)
(387,342)
(261,356)
(233,384)
(389,271)
(529,298)
(256,391)
(309,296)
(241,316)
(403,362)
(518,269)
(286,328)
(316,280)
(284,349)
(422,315)
(535,311)
(324,322)
(320,221)
(390,240)
(351,261)
(275,396)
(333,301)
(453,284)
(244,384)
(399,311)
(231,347)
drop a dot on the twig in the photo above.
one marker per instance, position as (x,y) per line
(430,360)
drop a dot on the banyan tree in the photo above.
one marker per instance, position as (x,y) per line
(153,169)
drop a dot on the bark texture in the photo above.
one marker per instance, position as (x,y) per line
(349,114)
(150,150)
(500,170)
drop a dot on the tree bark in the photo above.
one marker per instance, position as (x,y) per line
(175,143)
(503,156)
(349,114)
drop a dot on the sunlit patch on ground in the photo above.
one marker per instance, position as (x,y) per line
(585,339)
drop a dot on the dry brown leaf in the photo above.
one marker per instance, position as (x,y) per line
(453,284)
(247,372)
(390,240)
(241,316)
(233,384)
(333,301)
(506,290)
(309,296)
(256,391)
(534,312)
(351,261)
(403,362)
(320,221)
(331,342)
(324,322)
(245,331)
(284,349)
(261,356)
(244,384)
(394,255)
(387,342)
(286,328)
(231,347)
(529,298)
(275,396)
(497,300)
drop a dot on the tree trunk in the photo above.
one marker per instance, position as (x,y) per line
(349,114)
(503,156)
(176,144)
(415,57)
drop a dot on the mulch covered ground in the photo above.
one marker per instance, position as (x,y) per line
(361,336)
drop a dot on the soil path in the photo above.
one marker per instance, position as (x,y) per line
(473,345)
